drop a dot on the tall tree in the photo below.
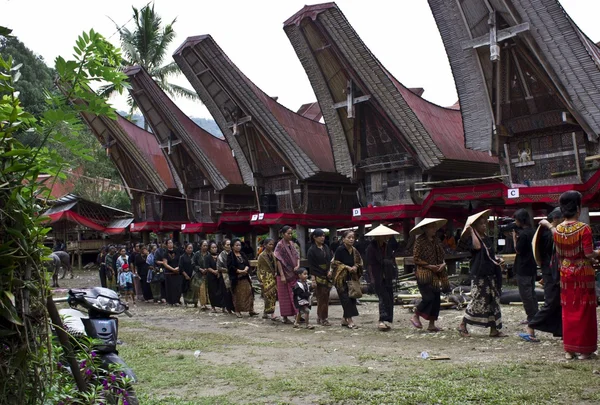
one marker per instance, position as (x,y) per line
(147,46)
(36,77)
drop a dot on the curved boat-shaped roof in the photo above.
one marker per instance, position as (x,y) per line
(332,53)
(569,59)
(170,125)
(233,98)
(135,152)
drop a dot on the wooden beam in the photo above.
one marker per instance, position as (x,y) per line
(356,101)
(239,121)
(500,36)
(577,162)
(507,160)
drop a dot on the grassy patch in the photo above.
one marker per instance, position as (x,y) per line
(169,373)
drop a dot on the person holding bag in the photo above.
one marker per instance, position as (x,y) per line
(486,279)
(347,267)
(432,276)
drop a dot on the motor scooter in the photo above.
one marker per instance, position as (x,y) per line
(100,323)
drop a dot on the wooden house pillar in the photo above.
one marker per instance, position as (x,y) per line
(218,237)
(332,233)
(273,233)
(301,234)
(585,215)
(406,229)
(146,237)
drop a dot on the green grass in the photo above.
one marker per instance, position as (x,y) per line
(169,373)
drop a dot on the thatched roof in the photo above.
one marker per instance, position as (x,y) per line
(561,56)
(333,54)
(233,99)
(199,152)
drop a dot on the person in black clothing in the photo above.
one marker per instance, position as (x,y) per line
(173,277)
(549,317)
(101,262)
(319,265)
(382,272)
(141,267)
(302,298)
(525,267)
(347,265)
(186,269)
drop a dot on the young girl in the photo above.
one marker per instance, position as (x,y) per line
(302,297)
(126,283)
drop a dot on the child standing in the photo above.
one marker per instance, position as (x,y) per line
(126,283)
(302,297)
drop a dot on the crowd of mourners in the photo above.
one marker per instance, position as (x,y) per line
(217,275)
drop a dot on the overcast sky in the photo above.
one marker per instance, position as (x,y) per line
(401,33)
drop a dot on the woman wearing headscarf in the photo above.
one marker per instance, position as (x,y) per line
(288,261)
(486,279)
(431,273)
(267,273)
(241,286)
(213,279)
(575,250)
(200,286)
(382,272)
(319,268)
(224,279)
(173,277)
(347,265)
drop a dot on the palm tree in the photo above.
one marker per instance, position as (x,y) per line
(146,46)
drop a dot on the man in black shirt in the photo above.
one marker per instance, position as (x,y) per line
(525,267)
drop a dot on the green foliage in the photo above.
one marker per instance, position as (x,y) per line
(25,369)
(36,78)
(105,386)
(147,46)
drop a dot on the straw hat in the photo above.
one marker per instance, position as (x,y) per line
(473,218)
(381,230)
(439,222)
(535,246)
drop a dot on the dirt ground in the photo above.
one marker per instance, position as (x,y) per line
(251,360)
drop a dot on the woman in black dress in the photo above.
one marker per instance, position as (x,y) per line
(241,286)
(213,279)
(319,266)
(347,265)
(142,269)
(186,269)
(173,278)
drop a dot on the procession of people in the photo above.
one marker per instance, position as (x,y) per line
(218,275)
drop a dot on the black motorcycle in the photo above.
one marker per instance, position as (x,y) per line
(100,324)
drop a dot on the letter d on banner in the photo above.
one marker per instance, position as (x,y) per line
(513,193)
(356,212)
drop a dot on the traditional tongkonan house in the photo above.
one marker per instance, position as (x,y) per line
(155,189)
(528,82)
(385,136)
(290,156)
(206,165)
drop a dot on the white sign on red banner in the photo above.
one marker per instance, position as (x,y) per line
(182,227)
(254,217)
(261,216)
(513,193)
(356,212)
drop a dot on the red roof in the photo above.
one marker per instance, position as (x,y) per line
(147,144)
(215,148)
(444,125)
(160,226)
(311,111)
(310,135)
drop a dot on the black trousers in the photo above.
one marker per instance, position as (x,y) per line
(429,307)
(386,302)
(102,273)
(527,292)
(549,317)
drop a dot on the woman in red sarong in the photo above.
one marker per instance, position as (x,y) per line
(575,251)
